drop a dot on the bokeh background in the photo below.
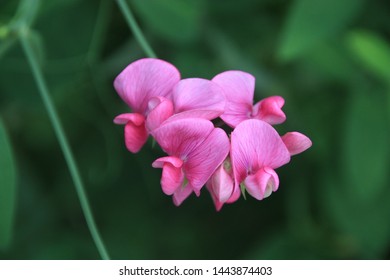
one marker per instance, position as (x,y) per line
(330,60)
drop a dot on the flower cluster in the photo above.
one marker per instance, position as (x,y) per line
(177,113)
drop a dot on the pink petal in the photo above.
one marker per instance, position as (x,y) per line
(261,184)
(160,109)
(296,142)
(180,136)
(143,79)
(200,97)
(135,131)
(205,159)
(181,194)
(172,175)
(256,144)
(269,110)
(238,88)
(221,184)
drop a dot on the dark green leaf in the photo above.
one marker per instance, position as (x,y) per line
(174,20)
(311,22)
(7,189)
(373,52)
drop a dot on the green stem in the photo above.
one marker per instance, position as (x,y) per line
(39,79)
(135,28)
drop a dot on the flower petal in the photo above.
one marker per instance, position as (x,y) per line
(205,159)
(261,184)
(135,131)
(179,137)
(199,97)
(256,144)
(160,109)
(269,110)
(222,184)
(143,79)
(181,194)
(238,88)
(296,142)
(172,175)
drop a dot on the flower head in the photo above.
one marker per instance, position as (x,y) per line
(239,89)
(137,84)
(195,149)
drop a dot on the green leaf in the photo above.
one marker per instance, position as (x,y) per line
(311,22)
(372,51)
(366,147)
(174,20)
(7,189)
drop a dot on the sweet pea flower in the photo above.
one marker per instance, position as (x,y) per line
(195,149)
(239,89)
(221,185)
(256,151)
(136,85)
(193,98)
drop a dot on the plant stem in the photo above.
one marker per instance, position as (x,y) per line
(44,92)
(124,7)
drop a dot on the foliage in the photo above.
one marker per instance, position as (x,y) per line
(330,60)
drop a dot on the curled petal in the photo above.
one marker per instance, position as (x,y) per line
(270,110)
(238,88)
(261,184)
(143,79)
(160,109)
(172,175)
(180,136)
(135,131)
(198,98)
(181,194)
(296,142)
(205,159)
(256,144)
(220,186)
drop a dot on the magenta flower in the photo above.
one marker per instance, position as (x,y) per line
(256,151)
(193,98)
(195,149)
(136,85)
(239,89)
(221,185)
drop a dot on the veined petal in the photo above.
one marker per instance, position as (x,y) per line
(179,137)
(270,110)
(135,131)
(160,109)
(261,184)
(172,175)
(222,184)
(296,142)
(181,194)
(238,88)
(199,97)
(205,159)
(143,79)
(254,145)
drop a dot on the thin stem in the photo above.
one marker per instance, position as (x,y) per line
(43,90)
(135,28)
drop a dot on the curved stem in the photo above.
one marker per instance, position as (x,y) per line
(135,28)
(59,131)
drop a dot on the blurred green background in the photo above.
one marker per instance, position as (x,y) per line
(330,60)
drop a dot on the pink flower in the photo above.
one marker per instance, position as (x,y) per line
(256,151)
(193,98)
(221,185)
(239,89)
(136,85)
(195,149)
